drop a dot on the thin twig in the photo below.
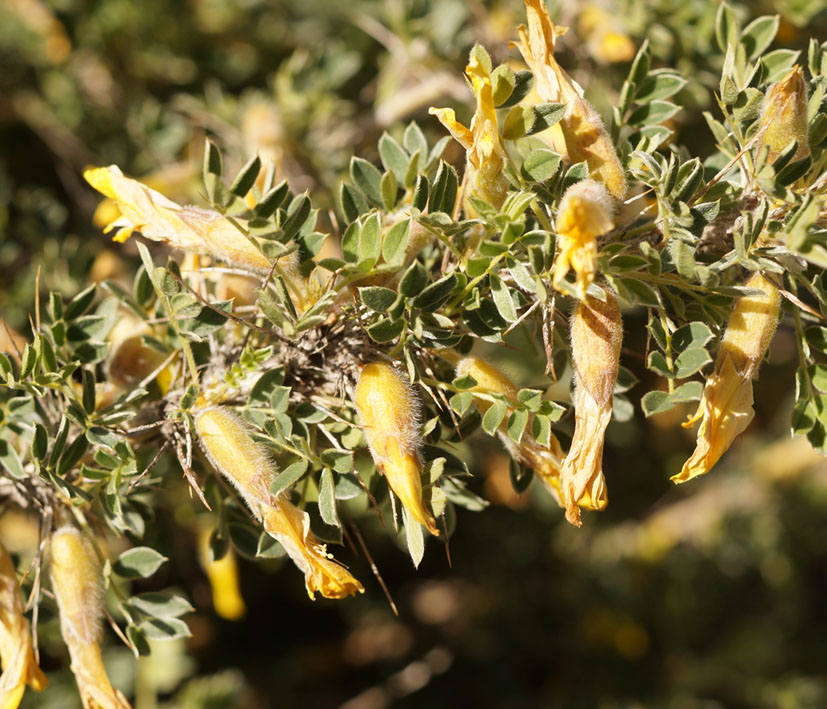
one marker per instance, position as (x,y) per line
(148,467)
(373,567)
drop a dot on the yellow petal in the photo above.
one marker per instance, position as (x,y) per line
(246,464)
(291,527)
(96,691)
(586,137)
(726,405)
(448,118)
(19,666)
(78,588)
(596,335)
(223,577)
(161,219)
(389,414)
(404,474)
(727,411)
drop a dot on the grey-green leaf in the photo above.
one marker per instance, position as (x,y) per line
(139,562)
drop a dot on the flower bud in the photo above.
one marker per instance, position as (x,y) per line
(78,588)
(544,460)
(586,137)
(596,335)
(585,213)
(725,409)
(784,118)
(389,414)
(19,665)
(227,442)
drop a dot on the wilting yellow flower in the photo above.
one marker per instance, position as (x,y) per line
(222,574)
(189,228)
(544,460)
(605,36)
(784,117)
(486,155)
(585,213)
(389,413)
(596,335)
(726,404)
(77,583)
(19,665)
(247,465)
(586,137)
(160,219)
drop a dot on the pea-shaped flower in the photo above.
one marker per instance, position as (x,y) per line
(484,149)
(544,460)
(78,587)
(247,465)
(19,665)
(596,336)
(389,414)
(726,405)
(586,137)
(205,231)
(585,213)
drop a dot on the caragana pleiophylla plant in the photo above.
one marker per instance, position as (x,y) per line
(292,373)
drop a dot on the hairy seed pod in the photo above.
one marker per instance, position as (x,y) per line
(726,405)
(585,213)
(596,336)
(389,413)
(586,137)
(248,466)
(78,588)
(19,665)
(784,117)
(544,460)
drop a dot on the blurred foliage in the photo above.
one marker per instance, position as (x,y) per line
(705,595)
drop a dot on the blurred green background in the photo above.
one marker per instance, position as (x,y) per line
(708,595)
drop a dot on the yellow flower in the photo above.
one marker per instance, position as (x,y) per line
(726,404)
(19,665)
(784,118)
(389,413)
(596,335)
(77,583)
(223,577)
(585,213)
(484,149)
(544,460)
(227,442)
(188,228)
(586,137)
